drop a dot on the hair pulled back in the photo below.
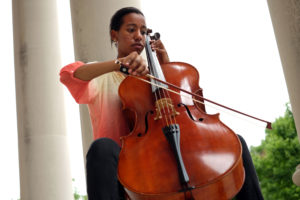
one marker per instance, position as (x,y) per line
(116,20)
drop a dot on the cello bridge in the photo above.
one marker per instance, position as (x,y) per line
(165,107)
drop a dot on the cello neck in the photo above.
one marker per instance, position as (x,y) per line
(154,66)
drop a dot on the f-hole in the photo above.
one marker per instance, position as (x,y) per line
(189,112)
(146,124)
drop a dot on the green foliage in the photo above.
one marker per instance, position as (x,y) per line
(77,196)
(276,159)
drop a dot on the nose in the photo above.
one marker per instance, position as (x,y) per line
(138,36)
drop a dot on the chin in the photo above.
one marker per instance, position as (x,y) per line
(139,51)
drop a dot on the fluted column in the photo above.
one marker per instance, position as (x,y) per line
(43,147)
(285,15)
(90,20)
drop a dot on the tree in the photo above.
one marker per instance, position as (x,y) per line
(276,158)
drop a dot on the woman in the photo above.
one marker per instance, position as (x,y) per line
(96,84)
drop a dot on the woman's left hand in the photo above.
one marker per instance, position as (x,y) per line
(161,52)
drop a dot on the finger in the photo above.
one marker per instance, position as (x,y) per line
(145,72)
(157,50)
(136,62)
(128,62)
(130,59)
(157,45)
(141,68)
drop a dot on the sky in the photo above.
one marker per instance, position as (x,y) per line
(231,43)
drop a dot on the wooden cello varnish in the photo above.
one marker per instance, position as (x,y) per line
(176,151)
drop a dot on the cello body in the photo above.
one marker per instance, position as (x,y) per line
(209,150)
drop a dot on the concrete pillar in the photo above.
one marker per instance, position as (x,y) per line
(43,147)
(285,15)
(90,20)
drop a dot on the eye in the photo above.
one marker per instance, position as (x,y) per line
(131,30)
(143,32)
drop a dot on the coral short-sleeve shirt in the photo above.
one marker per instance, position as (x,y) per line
(101,96)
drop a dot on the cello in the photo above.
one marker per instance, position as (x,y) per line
(175,150)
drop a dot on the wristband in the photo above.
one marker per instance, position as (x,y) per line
(123,69)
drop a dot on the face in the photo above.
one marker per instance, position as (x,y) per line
(131,36)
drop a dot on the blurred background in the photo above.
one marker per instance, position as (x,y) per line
(231,43)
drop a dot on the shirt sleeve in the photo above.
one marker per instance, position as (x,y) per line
(82,91)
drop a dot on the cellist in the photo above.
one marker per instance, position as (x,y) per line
(96,84)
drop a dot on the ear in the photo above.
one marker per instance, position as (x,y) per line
(114,35)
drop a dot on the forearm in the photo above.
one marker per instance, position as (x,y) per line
(89,71)
(163,58)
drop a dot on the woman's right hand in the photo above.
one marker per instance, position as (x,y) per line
(135,63)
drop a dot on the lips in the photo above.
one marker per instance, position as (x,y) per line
(138,46)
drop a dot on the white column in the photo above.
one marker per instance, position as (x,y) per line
(285,15)
(90,20)
(43,147)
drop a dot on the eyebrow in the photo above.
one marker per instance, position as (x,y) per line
(144,26)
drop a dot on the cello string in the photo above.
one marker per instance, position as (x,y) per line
(172,106)
(163,107)
(165,94)
(160,107)
(159,91)
(167,115)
